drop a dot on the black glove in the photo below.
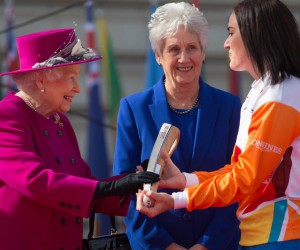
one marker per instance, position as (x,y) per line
(144,164)
(129,184)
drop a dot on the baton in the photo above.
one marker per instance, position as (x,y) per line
(167,140)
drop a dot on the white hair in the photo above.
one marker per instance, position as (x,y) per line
(165,21)
(25,81)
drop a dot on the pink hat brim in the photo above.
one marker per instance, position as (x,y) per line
(50,67)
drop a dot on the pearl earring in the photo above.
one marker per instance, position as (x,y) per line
(42,90)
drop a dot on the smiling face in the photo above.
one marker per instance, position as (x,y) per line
(59,93)
(181,57)
(239,59)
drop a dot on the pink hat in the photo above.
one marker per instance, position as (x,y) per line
(50,49)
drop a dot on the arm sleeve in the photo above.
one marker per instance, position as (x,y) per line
(222,232)
(146,231)
(26,172)
(114,204)
(255,163)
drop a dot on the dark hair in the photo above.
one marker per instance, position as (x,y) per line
(271,37)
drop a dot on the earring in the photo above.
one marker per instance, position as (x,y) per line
(159,65)
(42,90)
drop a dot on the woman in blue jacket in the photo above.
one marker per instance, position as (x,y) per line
(208,119)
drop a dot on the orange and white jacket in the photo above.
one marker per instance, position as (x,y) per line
(264,175)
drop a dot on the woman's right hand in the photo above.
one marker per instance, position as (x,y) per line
(171,175)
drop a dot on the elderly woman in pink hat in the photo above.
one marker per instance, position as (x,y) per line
(46,188)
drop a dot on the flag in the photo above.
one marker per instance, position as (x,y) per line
(96,150)
(153,70)
(110,72)
(11,61)
(196,3)
(234,82)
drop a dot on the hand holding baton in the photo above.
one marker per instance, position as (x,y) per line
(167,141)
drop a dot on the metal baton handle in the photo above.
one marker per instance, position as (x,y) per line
(167,140)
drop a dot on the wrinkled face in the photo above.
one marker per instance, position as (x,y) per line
(239,59)
(181,57)
(59,93)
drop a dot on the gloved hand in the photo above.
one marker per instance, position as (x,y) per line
(144,164)
(129,184)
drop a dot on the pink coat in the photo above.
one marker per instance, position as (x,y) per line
(45,186)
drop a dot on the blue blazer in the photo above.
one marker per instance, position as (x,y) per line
(140,118)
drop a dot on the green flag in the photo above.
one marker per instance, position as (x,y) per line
(110,72)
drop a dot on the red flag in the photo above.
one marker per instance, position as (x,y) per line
(196,3)
(234,82)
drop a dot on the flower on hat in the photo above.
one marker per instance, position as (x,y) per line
(78,53)
(78,50)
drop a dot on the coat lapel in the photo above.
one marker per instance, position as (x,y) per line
(159,109)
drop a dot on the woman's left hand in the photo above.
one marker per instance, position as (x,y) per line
(198,247)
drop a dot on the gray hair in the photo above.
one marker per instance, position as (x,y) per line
(165,21)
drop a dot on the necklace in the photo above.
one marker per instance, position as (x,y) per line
(57,120)
(185,111)
(26,100)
